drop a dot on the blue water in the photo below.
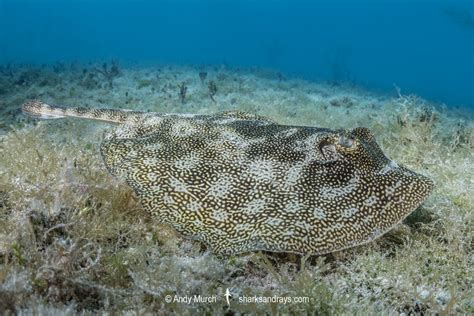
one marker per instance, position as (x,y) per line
(423,47)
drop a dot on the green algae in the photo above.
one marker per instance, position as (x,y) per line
(74,239)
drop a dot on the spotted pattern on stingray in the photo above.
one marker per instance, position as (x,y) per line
(240,182)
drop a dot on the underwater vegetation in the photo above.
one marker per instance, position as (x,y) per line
(75,239)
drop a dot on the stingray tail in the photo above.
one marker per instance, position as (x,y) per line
(42,110)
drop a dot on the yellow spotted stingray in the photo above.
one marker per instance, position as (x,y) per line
(240,182)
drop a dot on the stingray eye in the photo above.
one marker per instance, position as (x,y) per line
(328,150)
(346,142)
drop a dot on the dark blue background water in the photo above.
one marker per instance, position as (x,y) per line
(424,47)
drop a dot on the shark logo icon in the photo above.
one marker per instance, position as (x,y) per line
(227,296)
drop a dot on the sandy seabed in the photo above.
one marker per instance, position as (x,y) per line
(73,239)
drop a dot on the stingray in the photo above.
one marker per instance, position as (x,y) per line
(240,182)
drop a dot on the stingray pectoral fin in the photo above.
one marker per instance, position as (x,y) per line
(114,153)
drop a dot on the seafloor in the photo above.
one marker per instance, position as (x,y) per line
(74,239)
